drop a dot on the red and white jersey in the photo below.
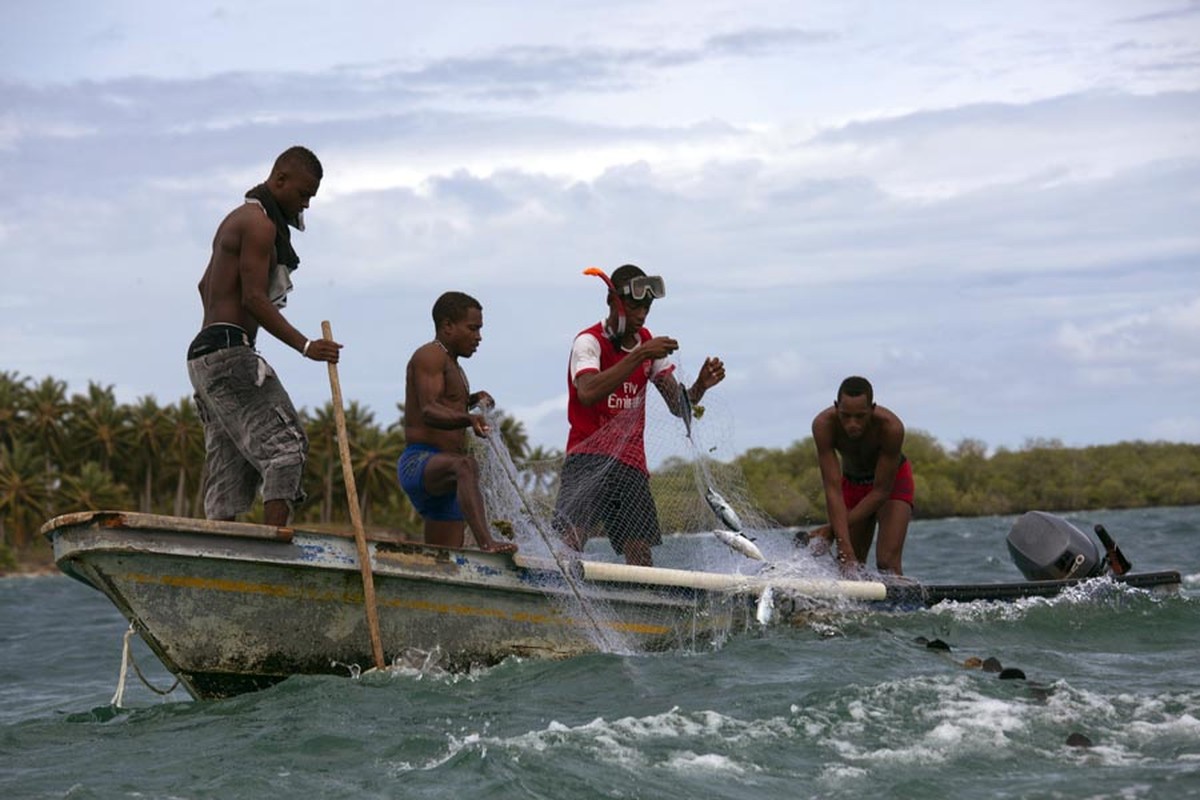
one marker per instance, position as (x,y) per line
(594,351)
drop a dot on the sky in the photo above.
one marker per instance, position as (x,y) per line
(991,211)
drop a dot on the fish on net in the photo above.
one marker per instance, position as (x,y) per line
(564,514)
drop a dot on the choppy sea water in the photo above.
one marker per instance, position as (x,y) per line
(854,706)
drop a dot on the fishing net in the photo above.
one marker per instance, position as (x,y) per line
(592,500)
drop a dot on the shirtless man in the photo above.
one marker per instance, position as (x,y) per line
(438,474)
(252,435)
(872,484)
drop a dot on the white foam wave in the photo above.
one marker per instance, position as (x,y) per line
(930,720)
(624,742)
(687,761)
(916,721)
(1089,594)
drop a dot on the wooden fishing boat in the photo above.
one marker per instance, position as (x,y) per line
(233,607)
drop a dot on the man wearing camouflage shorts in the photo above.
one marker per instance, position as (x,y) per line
(252,434)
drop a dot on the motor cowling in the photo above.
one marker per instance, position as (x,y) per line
(1045,547)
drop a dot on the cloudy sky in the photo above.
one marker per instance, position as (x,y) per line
(990,210)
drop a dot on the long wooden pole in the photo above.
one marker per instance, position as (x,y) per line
(360,536)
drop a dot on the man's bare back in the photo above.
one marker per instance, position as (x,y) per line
(246,234)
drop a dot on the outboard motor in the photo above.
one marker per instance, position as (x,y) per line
(1045,548)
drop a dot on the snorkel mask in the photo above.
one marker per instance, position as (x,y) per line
(638,289)
(643,286)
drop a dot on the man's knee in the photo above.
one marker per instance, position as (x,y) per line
(283,479)
(466,469)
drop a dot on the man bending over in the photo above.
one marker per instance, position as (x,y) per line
(872,484)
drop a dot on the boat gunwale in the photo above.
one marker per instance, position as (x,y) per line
(472,568)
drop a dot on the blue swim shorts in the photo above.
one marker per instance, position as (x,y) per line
(411,469)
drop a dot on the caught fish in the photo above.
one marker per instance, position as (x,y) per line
(723,510)
(737,541)
(685,409)
(765,610)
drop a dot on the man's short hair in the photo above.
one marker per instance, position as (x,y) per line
(298,157)
(623,274)
(453,306)
(854,386)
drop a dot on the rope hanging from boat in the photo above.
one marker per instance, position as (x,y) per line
(127,659)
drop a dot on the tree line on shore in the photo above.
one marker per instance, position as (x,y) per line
(61,452)
(965,481)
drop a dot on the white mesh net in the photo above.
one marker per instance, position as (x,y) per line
(596,501)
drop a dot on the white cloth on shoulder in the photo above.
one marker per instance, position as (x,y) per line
(279,282)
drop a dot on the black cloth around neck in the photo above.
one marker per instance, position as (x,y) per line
(284,253)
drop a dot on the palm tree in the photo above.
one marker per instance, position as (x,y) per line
(539,469)
(400,422)
(324,456)
(512,433)
(46,408)
(185,447)
(374,455)
(150,433)
(101,426)
(13,388)
(93,489)
(321,429)
(358,419)
(23,494)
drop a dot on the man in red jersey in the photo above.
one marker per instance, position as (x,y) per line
(605,484)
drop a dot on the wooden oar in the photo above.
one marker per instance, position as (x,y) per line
(360,536)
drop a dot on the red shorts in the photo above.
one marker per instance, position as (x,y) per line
(902,487)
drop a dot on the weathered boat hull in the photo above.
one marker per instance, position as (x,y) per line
(233,607)
(230,607)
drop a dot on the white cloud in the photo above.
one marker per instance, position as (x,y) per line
(990,210)
(1175,429)
(1157,347)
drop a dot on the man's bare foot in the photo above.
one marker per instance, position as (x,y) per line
(493,546)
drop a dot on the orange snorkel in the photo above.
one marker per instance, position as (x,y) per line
(602,275)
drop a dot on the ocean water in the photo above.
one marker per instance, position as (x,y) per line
(854,706)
